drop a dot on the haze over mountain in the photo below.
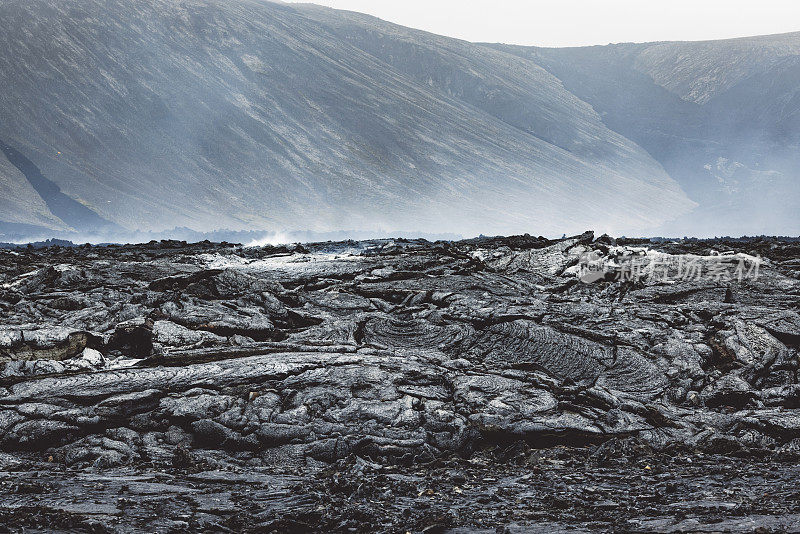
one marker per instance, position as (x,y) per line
(246,114)
(722,117)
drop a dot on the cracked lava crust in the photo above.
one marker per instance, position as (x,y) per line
(472,386)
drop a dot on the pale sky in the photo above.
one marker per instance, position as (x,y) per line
(585,22)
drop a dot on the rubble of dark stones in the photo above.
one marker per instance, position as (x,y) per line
(400,386)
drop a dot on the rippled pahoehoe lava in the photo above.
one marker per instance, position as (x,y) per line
(483,371)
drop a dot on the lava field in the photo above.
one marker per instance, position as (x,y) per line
(489,385)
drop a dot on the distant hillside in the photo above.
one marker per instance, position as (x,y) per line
(145,115)
(722,117)
(248,114)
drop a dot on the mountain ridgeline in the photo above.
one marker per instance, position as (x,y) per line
(147,115)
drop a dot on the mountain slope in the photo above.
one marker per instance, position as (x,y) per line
(701,71)
(250,114)
(722,117)
(19,202)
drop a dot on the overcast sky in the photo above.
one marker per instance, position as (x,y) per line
(585,22)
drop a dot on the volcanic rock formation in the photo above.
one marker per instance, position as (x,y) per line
(217,368)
